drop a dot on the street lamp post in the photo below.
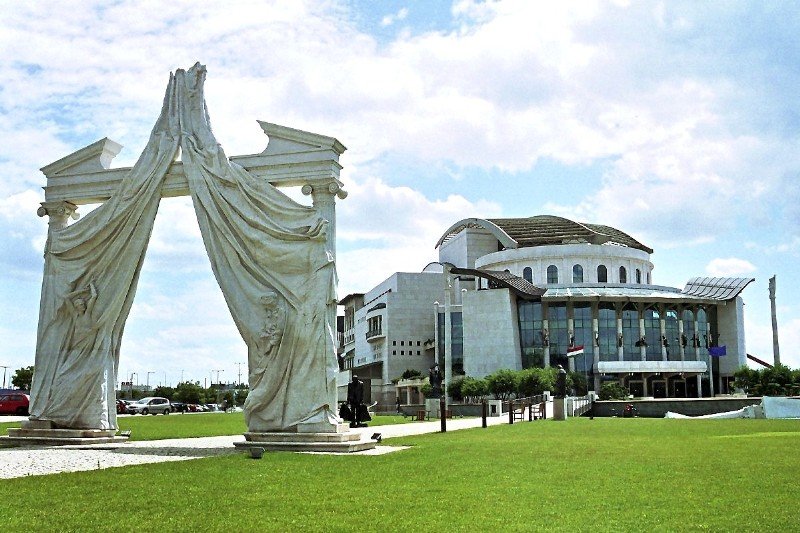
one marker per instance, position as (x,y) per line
(5,368)
(148,379)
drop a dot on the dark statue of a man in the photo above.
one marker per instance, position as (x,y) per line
(561,383)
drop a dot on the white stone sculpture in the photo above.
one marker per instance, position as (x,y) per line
(271,256)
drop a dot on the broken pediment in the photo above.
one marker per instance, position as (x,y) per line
(284,140)
(95,157)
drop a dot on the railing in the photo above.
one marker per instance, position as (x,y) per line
(374,333)
(578,405)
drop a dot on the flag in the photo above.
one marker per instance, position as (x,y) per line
(717,351)
(575,350)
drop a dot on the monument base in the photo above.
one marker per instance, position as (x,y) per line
(559,409)
(337,438)
(43,433)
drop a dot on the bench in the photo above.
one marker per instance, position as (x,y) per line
(538,410)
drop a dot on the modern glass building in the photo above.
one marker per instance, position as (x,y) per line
(544,291)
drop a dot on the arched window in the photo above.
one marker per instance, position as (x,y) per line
(527,274)
(648,278)
(552,274)
(638,276)
(623,275)
(577,274)
(602,274)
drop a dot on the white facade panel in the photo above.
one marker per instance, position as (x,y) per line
(491,333)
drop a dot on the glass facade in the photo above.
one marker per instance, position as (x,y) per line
(671,333)
(582,322)
(652,334)
(630,334)
(607,331)
(689,339)
(559,334)
(457,343)
(531,333)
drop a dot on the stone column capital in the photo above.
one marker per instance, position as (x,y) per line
(59,212)
(321,190)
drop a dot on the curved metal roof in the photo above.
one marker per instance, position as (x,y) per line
(716,288)
(501,278)
(544,230)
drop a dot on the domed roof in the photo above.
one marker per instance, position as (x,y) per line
(543,230)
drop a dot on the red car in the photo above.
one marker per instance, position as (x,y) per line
(14,404)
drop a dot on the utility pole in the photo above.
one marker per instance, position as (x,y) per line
(776,351)
(239,382)
(148,379)
(4,375)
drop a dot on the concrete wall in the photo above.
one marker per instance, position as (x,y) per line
(658,408)
(565,256)
(730,320)
(491,332)
(466,247)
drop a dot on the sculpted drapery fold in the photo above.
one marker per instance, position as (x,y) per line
(268,254)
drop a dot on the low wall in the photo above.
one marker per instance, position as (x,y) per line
(685,406)
(458,409)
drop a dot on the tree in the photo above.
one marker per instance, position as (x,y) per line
(474,390)
(502,383)
(612,391)
(241,396)
(454,390)
(188,392)
(22,378)
(164,392)
(579,383)
(534,381)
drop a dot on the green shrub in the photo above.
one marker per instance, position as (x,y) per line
(474,390)
(411,374)
(454,390)
(612,391)
(502,383)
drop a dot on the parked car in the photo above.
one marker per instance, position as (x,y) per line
(152,405)
(179,407)
(14,404)
(122,407)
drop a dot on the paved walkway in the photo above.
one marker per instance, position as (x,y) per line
(34,461)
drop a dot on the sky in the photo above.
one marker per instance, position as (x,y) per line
(676,122)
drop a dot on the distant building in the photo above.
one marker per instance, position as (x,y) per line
(529,292)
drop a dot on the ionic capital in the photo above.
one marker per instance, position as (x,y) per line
(59,212)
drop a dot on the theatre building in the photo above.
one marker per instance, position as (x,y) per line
(543,291)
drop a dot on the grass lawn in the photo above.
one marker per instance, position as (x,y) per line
(178,426)
(580,475)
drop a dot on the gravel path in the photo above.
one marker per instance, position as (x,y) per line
(36,461)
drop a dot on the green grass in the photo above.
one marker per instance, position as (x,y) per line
(580,475)
(177,426)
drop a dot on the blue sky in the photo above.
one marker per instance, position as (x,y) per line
(676,122)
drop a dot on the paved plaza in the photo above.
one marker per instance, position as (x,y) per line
(36,461)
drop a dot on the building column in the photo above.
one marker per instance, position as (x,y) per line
(571,334)
(662,325)
(323,198)
(596,345)
(642,349)
(681,334)
(59,212)
(546,342)
(620,345)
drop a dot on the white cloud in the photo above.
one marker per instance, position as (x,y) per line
(729,267)
(388,20)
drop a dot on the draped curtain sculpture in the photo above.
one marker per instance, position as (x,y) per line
(268,254)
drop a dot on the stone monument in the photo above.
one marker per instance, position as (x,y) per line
(272,257)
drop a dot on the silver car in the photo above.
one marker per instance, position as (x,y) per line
(152,405)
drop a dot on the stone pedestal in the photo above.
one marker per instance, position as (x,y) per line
(42,433)
(305,439)
(559,409)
